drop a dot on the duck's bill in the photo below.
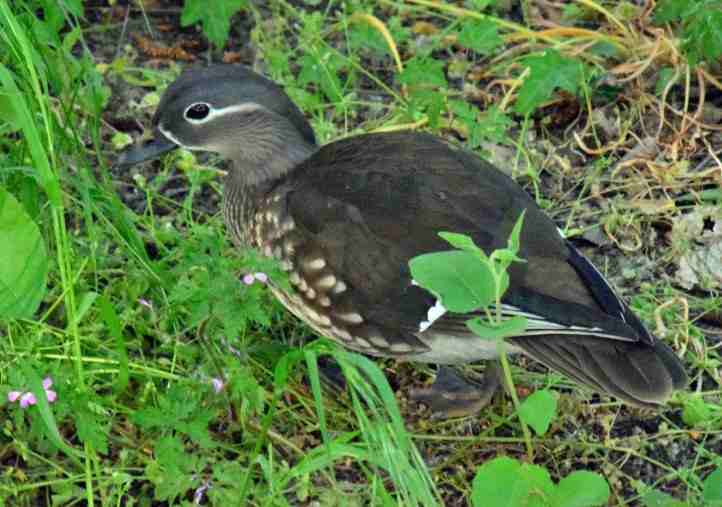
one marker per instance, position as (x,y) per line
(148,151)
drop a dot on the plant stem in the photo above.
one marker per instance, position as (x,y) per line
(512,392)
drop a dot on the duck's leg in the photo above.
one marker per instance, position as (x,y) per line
(453,396)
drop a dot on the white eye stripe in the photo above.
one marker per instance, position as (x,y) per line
(214,113)
(171,137)
(247,107)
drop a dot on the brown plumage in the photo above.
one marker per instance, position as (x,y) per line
(344,220)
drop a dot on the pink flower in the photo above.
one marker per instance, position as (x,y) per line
(200,492)
(146,303)
(49,393)
(259,276)
(217,385)
(27,398)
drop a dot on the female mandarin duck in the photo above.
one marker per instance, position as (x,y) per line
(344,219)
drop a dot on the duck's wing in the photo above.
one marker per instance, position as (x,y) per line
(367,205)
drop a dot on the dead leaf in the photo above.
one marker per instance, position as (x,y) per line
(700,263)
(654,206)
(424,28)
(232,57)
(154,50)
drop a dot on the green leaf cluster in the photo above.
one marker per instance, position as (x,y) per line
(492,124)
(206,288)
(468,280)
(538,410)
(699,413)
(701,23)
(480,35)
(215,22)
(505,482)
(547,72)
(181,409)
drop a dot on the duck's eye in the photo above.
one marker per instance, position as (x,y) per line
(197,112)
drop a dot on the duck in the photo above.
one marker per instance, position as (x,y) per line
(344,220)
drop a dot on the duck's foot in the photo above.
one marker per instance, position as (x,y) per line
(453,396)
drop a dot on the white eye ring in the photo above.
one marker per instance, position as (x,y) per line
(203,112)
(198,112)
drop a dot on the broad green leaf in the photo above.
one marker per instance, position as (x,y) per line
(457,277)
(673,10)
(703,36)
(581,489)
(701,26)
(547,72)
(488,331)
(423,70)
(324,70)
(428,101)
(538,410)
(23,260)
(480,35)
(504,482)
(493,125)
(462,242)
(712,488)
(216,22)
(696,412)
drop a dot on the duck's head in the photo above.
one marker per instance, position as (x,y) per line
(233,111)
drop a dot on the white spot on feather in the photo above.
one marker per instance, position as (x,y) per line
(434,313)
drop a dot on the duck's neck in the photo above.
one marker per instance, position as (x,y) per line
(272,148)
(255,172)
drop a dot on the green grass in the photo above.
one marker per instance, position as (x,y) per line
(141,306)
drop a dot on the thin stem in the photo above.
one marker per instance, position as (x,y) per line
(512,392)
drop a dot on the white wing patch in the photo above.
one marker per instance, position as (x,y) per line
(434,313)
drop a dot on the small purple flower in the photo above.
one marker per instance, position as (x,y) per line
(49,393)
(146,303)
(217,384)
(198,494)
(27,398)
(259,276)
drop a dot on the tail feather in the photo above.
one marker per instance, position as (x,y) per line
(637,373)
